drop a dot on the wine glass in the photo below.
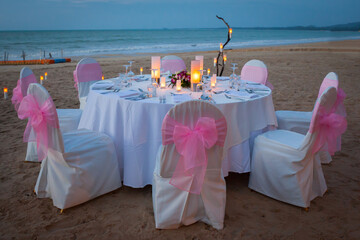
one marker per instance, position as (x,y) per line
(233,78)
(130,73)
(126,68)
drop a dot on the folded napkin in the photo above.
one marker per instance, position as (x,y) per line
(127,93)
(241,95)
(259,87)
(178,98)
(102,86)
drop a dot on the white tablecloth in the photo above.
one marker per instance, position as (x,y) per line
(135,127)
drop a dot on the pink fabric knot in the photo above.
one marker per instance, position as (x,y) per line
(329,126)
(39,119)
(191,144)
(17,96)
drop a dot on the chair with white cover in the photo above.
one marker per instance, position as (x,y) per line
(76,166)
(172,64)
(299,121)
(69,118)
(256,71)
(87,72)
(284,166)
(188,185)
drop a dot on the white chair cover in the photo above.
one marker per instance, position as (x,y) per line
(174,207)
(68,118)
(298,121)
(283,166)
(80,168)
(87,72)
(256,71)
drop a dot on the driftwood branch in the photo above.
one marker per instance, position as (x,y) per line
(221,65)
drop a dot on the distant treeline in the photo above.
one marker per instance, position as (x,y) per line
(355,26)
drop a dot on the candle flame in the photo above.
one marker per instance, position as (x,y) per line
(221,46)
(215,60)
(230,30)
(45,73)
(5,90)
(208,71)
(102,77)
(41,78)
(141,69)
(225,58)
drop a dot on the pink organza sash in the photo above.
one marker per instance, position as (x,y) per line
(329,126)
(191,144)
(254,74)
(39,119)
(17,96)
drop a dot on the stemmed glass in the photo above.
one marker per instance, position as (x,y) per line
(126,68)
(233,78)
(130,73)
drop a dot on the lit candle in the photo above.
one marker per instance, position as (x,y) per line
(214,76)
(41,80)
(141,70)
(201,59)
(221,47)
(225,59)
(230,32)
(208,72)
(5,93)
(178,85)
(215,61)
(195,74)
(162,82)
(45,76)
(102,77)
(155,64)
(213,81)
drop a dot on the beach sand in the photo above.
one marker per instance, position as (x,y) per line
(296,71)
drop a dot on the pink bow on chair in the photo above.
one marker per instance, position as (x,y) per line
(39,119)
(191,144)
(329,126)
(17,96)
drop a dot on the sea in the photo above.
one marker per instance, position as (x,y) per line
(103,43)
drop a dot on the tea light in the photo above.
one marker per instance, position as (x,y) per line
(178,85)
(225,59)
(41,80)
(45,76)
(215,61)
(102,77)
(208,72)
(162,82)
(141,71)
(221,47)
(230,32)
(5,93)
(213,82)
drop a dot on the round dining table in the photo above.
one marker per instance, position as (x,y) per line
(133,120)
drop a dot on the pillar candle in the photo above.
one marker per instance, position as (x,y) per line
(221,47)
(215,61)
(162,82)
(141,71)
(195,73)
(178,85)
(45,76)
(155,64)
(5,93)
(201,59)
(41,80)
(230,32)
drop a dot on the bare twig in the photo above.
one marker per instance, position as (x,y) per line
(221,54)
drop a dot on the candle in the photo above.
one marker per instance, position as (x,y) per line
(215,61)
(195,74)
(41,80)
(214,76)
(201,59)
(5,93)
(213,81)
(230,32)
(155,64)
(155,73)
(45,75)
(162,82)
(221,47)
(102,77)
(141,71)
(208,72)
(178,85)
(225,59)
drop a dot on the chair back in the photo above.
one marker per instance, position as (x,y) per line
(43,122)
(330,80)
(87,72)
(172,64)
(254,71)
(26,78)
(185,118)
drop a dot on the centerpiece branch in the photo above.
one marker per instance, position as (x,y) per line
(221,65)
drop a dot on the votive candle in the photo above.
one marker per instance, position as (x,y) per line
(102,77)
(215,61)
(5,93)
(225,59)
(141,71)
(41,80)
(45,76)
(221,47)
(230,32)
(213,81)
(208,72)
(178,85)
(162,82)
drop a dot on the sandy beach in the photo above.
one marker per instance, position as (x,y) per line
(296,71)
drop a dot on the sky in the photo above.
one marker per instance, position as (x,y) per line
(155,14)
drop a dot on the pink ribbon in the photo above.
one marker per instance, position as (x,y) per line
(17,96)
(329,126)
(39,119)
(191,144)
